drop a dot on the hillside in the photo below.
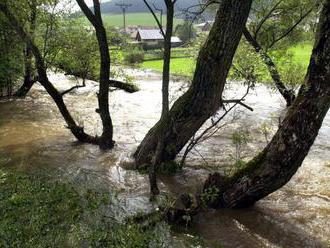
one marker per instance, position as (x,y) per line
(138,6)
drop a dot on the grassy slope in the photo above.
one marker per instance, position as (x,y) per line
(185,66)
(143,19)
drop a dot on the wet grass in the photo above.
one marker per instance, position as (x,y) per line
(40,211)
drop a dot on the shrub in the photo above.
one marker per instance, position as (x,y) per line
(135,56)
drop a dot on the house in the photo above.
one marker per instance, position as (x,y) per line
(153,39)
(204,27)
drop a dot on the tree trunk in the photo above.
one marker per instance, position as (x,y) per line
(29,78)
(77,131)
(103,96)
(287,94)
(165,97)
(203,98)
(280,160)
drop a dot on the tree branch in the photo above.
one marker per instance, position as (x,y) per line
(289,30)
(74,87)
(239,101)
(130,88)
(88,13)
(265,18)
(155,17)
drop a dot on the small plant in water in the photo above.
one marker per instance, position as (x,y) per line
(265,130)
(240,139)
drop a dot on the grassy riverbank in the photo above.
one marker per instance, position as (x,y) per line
(41,211)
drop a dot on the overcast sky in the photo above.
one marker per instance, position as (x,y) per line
(88,2)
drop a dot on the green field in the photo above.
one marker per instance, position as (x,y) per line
(185,66)
(143,19)
(179,66)
(302,53)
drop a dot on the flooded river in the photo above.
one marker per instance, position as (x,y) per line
(33,136)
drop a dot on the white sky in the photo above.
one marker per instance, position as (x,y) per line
(88,2)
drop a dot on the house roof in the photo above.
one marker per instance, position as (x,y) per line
(201,25)
(150,34)
(175,39)
(155,34)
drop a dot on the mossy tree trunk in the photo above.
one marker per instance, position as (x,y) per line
(204,97)
(283,156)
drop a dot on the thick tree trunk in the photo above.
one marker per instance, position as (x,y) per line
(203,98)
(280,160)
(287,94)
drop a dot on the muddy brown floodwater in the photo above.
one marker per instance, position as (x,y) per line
(33,136)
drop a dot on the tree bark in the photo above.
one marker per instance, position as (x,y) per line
(287,94)
(103,95)
(165,96)
(203,98)
(283,156)
(29,78)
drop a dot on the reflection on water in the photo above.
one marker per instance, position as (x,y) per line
(33,136)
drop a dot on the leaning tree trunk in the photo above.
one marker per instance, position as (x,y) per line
(76,130)
(203,98)
(280,160)
(287,94)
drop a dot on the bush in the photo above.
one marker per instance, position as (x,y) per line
(135,56)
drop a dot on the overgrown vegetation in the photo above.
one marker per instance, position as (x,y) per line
(11,59)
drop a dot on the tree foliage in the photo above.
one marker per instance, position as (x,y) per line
(11,58)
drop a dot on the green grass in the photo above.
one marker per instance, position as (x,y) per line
(302,53)
(38,211)
(185,66)
(142,19)
(179,66)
